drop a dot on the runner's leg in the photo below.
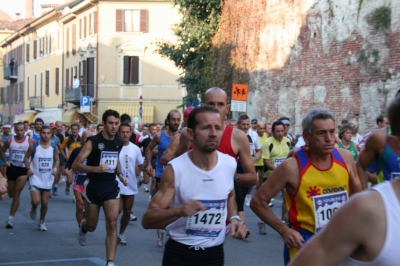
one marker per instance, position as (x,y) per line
(111,208)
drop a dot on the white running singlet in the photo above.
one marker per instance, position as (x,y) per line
(389,254)
(18,151)
(41,166)
(129,157)
(205,228)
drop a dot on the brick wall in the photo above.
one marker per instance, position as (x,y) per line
(305,53)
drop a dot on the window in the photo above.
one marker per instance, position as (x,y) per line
(27,52)
(84,27)
(90,24)
(67,42)
(132,20)
(74,39)
(47,82)
(95,22)
(67,78)
(131,70)
(57,80)
(27,86)
(35,49)
(35,84)
(80,28)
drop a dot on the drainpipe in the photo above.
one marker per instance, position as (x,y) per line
(62,65)
(97,55)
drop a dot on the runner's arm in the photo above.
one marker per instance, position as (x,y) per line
(169,152)
(62,148)
(78,165)
(278,180)
(183,145)
(366,156)
(4,149)
(345,233)
(3,187)
(56,163)
(249,178)
(238,229)
(158,214)
(354,180)
(26,159)
(150,147)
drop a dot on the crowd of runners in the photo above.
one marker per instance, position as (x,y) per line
(200,170)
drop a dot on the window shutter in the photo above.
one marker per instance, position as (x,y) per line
(50,42)
(76,72)
(90,25)
(47,82)
(67,78)
(34,49)
(144,20)
(73,39)
(95,21)
(67,43)
(84,27)
(72,77)
(126,70)
(57,80)
(84,71)
(80,28)
(27,52)
(119,22)
(134,73)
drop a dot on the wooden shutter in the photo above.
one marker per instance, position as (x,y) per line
(90,25)
(144,20)
(72,77)
(73,39)
(67,78)
(34,49)
(67,42)
(27,52)
(90,70)
(125,78)
(76,72)
(80,28)
(57,80)
(119,21)
(84,71)
(50,43)
(134,67)
(47,82)
(95,24)
(84,27)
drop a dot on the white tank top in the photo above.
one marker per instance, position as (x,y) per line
(205,228)
(389,254)
(18,150)
(129,157)
(41,166)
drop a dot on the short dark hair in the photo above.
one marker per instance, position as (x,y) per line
(74,125)
(124,125)
(26,122)
(126,118)
(152,125)
(393,113)
(39,120)
(380,119)
(108,113)
(44,127)
(192,119)
(241,118)
(18,124)
(98,126)
(344,121)
(283,118)
(277,123)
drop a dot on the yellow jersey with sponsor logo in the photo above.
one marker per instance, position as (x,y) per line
(314,182)
(262,139)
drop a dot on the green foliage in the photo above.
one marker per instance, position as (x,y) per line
(363,57)
(375,55)
(381,17)
(199,23)
(359,8)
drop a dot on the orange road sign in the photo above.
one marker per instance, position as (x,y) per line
(240,92)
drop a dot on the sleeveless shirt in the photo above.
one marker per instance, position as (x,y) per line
(225,146)
(389,255)
(211,188)
(351,149)
(162,146)
(18,151)
(388,164)
(41,166)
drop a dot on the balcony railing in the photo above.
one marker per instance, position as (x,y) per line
(73,94)
(11,73)
(36,102)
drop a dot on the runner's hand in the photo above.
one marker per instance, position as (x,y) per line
(149,169)
(102,168)
(238,229)
(124,180)
(191,208)
(29,172)
(8,164)
(292,238)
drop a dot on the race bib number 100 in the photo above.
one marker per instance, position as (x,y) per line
(208,223)
(325,206)
(110,158)
(395,175)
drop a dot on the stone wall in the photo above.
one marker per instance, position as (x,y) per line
(297,54)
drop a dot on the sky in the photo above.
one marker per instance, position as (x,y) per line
(13,6)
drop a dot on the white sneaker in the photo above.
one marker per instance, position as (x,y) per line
(247,201)
(111,263)
(121,239)
(9,223)
(270,204)
(82,236)
(133,217)
(33,213)
(42,226)
(160,238)
(145,188)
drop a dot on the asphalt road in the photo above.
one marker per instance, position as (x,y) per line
(25,245)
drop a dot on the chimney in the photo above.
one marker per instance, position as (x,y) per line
(28,8)
(17,16)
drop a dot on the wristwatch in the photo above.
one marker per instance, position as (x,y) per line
(235,217)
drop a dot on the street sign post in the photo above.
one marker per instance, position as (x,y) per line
(239,97)
(85,104)
(140,108)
